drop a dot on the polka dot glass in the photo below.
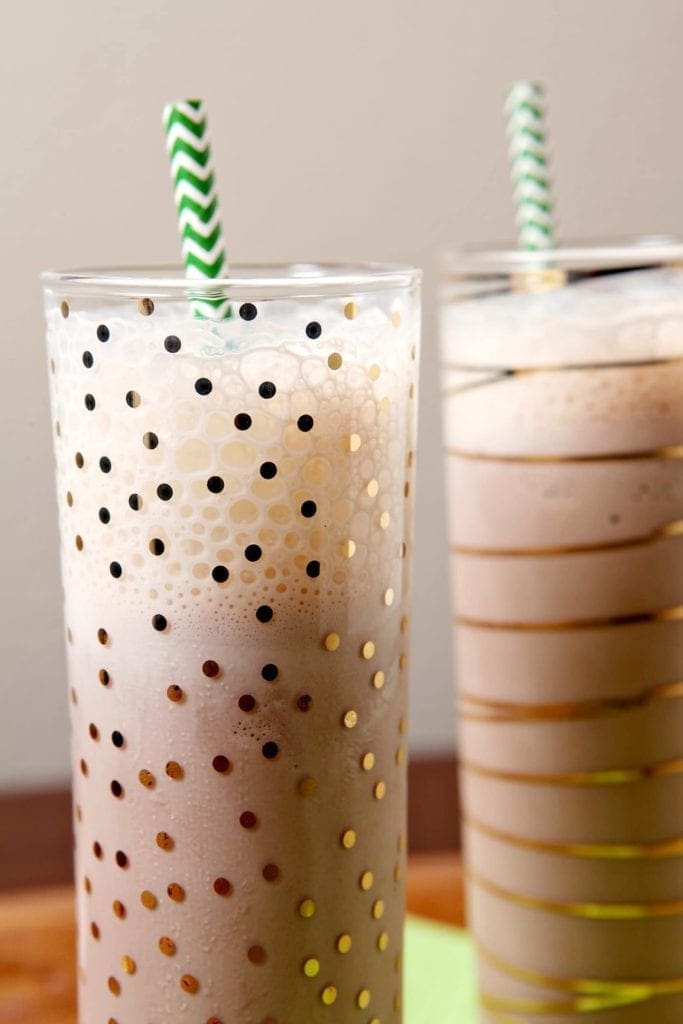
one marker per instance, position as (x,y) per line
(235,504)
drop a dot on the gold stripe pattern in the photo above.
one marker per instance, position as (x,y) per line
(591,851)
(541,1007)
(583,986)
(520,371)
(497,374)
(507,711)
(569,908)
(569,1007)
(601,777)
(665,532)
(574,996)
(672,614)
(671,451)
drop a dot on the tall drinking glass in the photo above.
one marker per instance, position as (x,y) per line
(563,401)
(235,504)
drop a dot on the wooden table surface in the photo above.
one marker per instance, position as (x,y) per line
(37,939)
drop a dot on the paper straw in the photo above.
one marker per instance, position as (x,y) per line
(529,160)
(196,200)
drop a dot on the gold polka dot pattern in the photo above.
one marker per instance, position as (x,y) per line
(189,984)
(350,719)
(164,841)
(176,892)
(307,908)
(348,838)
(167,946)
(307,786)
(363,999)
(311,967)
(235,524)
(329,995)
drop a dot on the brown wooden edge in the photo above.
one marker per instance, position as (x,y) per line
(36,839)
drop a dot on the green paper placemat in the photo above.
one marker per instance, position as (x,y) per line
(440,984)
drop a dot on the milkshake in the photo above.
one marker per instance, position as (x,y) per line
(235,513)
(563,402)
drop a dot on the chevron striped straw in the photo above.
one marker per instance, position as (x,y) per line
(196,200)
(529,160)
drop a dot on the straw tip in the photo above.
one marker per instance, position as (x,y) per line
(191,107)
(525,88)
(193,102)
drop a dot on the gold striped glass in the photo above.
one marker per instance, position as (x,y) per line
(562,379)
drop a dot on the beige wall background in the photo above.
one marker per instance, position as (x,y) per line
(367,128)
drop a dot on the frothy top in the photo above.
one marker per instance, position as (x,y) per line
(247,471)
(630,315)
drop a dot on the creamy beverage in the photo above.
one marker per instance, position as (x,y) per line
(564,451)
(235,509)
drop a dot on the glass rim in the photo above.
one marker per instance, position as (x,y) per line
(277,279)
(497,260)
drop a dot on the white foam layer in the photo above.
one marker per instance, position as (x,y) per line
(631,315)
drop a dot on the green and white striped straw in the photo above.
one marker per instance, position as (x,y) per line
(196,199)
(529,160)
